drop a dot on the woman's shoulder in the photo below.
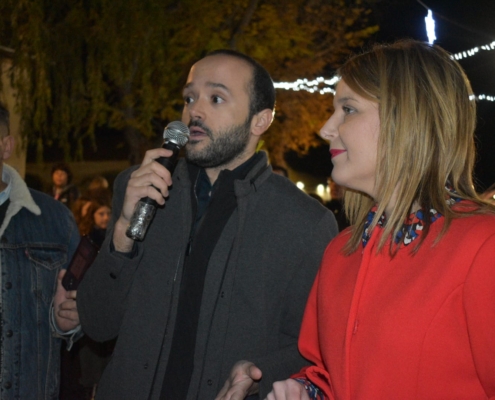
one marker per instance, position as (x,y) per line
(474,225)
(337,244)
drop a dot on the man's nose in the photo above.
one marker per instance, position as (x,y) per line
(196,110)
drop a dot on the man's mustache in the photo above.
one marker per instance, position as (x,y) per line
(201,125)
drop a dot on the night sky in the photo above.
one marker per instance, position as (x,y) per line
(460,25)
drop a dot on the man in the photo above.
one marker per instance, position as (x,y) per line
(38,237)
(223,274)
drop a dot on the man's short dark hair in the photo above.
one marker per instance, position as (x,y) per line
(262,91)
(4,118)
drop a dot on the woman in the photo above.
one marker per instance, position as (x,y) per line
(404,304)
(83,365)
(95,220)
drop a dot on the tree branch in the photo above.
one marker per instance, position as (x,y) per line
(246,19)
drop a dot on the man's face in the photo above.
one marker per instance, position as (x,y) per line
(216,109)
(60,178)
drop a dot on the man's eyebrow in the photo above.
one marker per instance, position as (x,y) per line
(210,84)
(218,85)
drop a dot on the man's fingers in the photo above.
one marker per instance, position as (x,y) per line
(152,181)
(153,154)
(68,305)
(235,393)
(255,373)
(68,310)
(222,392)
(61,275)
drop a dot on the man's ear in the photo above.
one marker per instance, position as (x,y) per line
(8,144)
(261,122)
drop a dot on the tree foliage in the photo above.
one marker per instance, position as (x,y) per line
(79,64)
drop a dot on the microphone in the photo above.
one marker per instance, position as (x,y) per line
(175,136)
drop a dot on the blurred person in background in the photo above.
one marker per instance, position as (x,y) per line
(97,191)
(95,221)
(336,203)
(277,169)
(62,188)
(489,194)
(38,238)
(83,365)
(98,182)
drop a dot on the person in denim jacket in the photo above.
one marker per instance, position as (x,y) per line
(38,237)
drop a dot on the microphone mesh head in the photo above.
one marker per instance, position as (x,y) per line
(176,132)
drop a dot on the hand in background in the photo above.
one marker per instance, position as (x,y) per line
(65,308)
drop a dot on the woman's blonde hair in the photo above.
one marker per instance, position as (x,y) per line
(427,121)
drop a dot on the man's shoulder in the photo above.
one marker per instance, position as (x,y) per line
(287,193)
(281,199)
(48,204)
(44,198)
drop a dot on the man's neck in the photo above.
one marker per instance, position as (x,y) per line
(213,173)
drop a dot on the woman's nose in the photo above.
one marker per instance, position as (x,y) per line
(329,131)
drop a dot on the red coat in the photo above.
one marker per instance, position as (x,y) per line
(411,327)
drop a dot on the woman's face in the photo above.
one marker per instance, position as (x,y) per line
(102,217)
(353,131)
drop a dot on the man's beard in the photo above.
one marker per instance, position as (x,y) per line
(222,149)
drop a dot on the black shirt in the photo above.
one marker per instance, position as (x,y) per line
(214,205)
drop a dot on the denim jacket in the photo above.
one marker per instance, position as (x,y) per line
(37,238)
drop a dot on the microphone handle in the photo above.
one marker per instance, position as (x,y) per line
(146,207)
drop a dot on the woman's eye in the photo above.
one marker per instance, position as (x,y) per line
(188,100)
(347,110)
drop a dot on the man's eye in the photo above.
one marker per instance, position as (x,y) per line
(188,100)
(217,99)
(347,110)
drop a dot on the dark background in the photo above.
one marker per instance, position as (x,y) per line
(460,25)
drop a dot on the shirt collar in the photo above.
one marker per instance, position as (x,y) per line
(5,194)
(413,225)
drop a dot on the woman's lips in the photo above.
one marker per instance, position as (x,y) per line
(336,152)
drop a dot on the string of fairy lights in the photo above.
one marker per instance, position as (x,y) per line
(324,85)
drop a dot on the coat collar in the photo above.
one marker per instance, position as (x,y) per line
(255,177)
(20,197)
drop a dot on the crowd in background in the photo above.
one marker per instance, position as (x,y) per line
(83,364)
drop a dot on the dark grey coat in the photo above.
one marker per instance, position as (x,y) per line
(256,286)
